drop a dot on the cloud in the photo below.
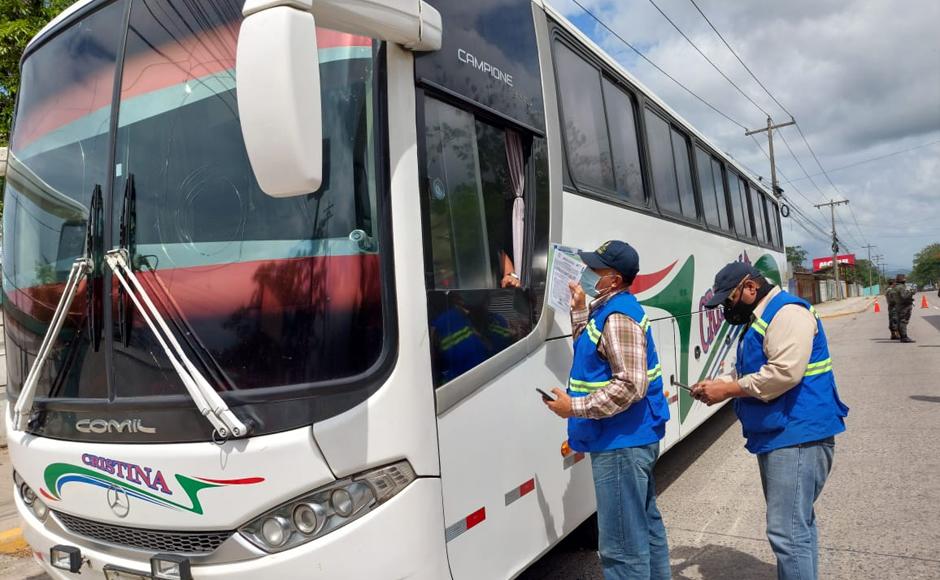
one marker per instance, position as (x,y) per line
(862,77)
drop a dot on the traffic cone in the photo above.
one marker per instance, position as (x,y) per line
(877,307)
(923,302)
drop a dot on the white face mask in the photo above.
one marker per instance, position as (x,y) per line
(589,280)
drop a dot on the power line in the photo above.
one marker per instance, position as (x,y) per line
(656,66)
(871,159)
(747,68)
(803,169)
(714,66)
(779,104)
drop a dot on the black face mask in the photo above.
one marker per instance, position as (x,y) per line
(740,313)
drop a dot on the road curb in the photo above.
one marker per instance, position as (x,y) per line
(866,306)
(12,541)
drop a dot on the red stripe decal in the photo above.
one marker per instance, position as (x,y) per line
(46,495)
(476,517)
(526,487)
(644,282)
(243,481)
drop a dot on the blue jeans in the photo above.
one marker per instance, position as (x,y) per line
(632,537)
(792,478)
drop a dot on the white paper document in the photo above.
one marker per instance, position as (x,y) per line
(566,267)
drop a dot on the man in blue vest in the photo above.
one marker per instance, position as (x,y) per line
(785,397)
(616,411)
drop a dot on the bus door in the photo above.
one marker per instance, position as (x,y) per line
(665,335)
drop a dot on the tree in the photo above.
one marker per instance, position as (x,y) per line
(796,255)
(860,273)
(20,20)
(926,266)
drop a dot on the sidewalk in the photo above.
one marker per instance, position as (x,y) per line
(846,307)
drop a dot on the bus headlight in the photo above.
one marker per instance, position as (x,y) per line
(326,509)
(30,499)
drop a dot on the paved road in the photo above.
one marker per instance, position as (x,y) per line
(879,515)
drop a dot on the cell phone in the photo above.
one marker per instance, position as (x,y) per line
(545,395)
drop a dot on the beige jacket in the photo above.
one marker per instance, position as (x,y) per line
(788,344)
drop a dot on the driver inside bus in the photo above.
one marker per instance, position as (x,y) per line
(617,412)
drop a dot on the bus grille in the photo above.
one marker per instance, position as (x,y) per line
(149,540)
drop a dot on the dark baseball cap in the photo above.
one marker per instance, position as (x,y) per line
(728,278)
(614,254)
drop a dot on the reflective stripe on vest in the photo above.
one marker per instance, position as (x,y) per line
(818,368)
(589,387)
(812,369)
(456,338)
(586,386)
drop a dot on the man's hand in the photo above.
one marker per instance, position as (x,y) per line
(714,392)
(561,406)
(578,299)
(510,281)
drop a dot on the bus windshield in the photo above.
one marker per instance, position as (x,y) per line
(135,143)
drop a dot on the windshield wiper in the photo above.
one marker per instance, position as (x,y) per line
(129,241)
(24,404)
(207,400)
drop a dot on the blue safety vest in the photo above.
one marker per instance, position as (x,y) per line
(460,347)
(810,411)
(644,421)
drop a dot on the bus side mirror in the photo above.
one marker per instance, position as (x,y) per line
(277,76)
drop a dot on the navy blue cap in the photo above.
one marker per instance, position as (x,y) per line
(614,254)
(728,278)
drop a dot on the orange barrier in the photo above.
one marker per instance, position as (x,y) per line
(923,302)
(877,307)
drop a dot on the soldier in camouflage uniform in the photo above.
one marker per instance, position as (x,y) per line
(905,307)
(891,295)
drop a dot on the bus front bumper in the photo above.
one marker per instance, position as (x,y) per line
(403,538)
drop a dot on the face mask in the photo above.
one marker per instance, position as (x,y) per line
(739,313)
(589,280)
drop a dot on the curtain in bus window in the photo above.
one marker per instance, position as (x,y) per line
(718,174)
(746,208)
(663,163)
(585,128)
(621,117)
(515,156)
(58,158)
(265,291)
(762,212)
(680,150)
(703,163)
(739,208)
(774,212)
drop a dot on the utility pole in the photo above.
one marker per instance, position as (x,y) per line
(869,247)
(770,143)
(835,241)
(880,260)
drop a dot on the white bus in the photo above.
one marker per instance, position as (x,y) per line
(297,334)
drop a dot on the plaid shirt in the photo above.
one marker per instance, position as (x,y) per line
(623,346)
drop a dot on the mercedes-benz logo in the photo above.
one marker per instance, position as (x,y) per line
(119,502)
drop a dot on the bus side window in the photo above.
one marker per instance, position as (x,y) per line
(621,118)
(587,143)
(738,204)
(476,231)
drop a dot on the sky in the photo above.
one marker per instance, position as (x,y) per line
(861,78)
